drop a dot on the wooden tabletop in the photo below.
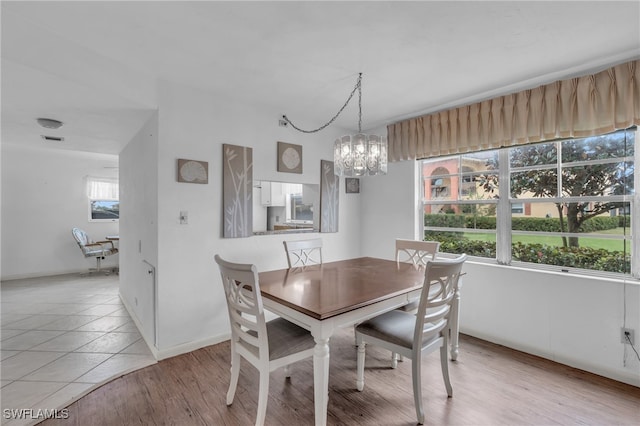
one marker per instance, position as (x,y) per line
(322,291)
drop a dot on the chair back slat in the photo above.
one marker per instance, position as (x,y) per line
(430,329)
(244,302)
(416,252)
(303,252)
(440,285)
(244,321)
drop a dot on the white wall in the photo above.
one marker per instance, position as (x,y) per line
(139,227)
(193,124)
(43,197)
(388,212)
(571,319)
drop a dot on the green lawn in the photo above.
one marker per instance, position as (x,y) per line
(609,245)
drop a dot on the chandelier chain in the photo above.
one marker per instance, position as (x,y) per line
(357,88)
(360,103)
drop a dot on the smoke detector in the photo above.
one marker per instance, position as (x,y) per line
(49,123)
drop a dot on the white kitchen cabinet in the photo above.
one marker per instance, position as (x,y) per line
(272,194)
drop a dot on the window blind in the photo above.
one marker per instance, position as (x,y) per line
(100,188)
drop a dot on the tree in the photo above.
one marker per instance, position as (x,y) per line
(587,177)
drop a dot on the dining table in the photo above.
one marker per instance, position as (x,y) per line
(325,297)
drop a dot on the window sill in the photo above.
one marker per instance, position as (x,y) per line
(553,270)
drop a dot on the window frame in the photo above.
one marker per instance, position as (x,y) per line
(103,196)
(92,219)
(505,204)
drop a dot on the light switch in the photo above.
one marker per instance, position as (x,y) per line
(184,217)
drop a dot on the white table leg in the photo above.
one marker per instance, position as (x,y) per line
(321,379)
(455,324)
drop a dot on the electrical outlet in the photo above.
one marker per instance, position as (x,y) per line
(627,333)
(282,123)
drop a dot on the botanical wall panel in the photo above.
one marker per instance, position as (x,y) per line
(329,185)
(237,181)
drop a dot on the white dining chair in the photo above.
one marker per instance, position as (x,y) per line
(265,345)
(412,335)
(417,253)
(303,252)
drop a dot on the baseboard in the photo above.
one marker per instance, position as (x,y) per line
(630,377)
(184,348)
(51,273)
(150,345)
(191,346)
(43,274)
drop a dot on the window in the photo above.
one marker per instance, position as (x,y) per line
(103,194)
(105,210)
(296,210)
(464,214)
(299,211)
(565,204)
(517,208)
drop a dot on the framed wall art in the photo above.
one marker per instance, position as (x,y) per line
(352,185)
(237,188)
(289,158)
(193,171)
(329,200)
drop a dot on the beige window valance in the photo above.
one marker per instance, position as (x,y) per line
(576,107)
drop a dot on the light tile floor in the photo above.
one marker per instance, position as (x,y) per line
(62,337)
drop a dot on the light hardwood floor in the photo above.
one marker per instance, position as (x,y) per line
(492,385)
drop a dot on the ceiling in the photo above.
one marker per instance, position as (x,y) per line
(96,65)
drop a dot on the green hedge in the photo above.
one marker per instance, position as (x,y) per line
(575,257)
(470,247)
(600,223)
(445,220)
(624,221)
(540,224)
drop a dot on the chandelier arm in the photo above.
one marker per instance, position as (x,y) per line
(356,88)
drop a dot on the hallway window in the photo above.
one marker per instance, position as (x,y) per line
(103,194)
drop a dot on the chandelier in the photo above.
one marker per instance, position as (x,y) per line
(359,154)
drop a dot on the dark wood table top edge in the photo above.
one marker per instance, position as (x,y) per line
(271,278)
